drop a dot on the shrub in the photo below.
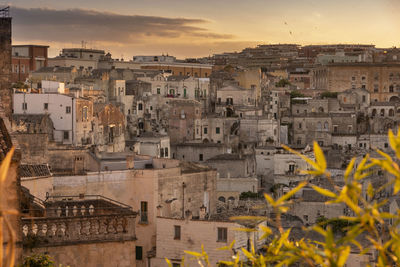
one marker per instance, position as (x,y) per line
(38,260)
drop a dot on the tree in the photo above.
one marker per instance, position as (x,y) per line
(38,260)
(368,220)
(282,83)
(295,93)
(329,95)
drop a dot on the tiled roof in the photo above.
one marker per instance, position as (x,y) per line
(34,170)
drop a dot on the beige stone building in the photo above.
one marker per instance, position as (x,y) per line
(382,80)
(153,187)
(177,235)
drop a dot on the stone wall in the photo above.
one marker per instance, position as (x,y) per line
(121,254)
(5,65)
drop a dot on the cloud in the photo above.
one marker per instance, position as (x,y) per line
(72,25)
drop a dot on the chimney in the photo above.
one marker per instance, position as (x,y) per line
(130,162)
(203,212)
(188,215)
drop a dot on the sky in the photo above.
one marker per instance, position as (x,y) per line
(186,28)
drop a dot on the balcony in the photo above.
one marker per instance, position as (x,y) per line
(79,219)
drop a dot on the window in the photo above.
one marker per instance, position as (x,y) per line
(205,130)
(386,145)
(177,232)
(363,98)
(85,113)
(68,109)
(46,106)
(335,129)
(24,106)
(139,253)
(291,168)
(140,107)
(222,234)
(161,152)
(143,212)
(66,135)
(376,88)
(300,125)
(176,264)
(158,91)
(200,157)
(217,130)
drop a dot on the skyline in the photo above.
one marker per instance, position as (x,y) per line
(196,29)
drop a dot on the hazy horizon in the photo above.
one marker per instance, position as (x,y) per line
(196,29)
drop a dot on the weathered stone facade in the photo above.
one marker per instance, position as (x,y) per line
(5,65)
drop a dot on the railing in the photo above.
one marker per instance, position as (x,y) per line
(74,198)
(65,230)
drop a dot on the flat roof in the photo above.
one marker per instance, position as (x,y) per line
(30,45)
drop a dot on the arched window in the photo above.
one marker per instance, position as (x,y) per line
(231,199)
(391,89)
(321,109)
(373,112)
(326,126)
(382,112)
(391,112)
(222,199)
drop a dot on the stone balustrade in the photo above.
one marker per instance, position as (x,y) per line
(82,229)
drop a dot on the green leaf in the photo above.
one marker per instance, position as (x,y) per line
(291,193)
(349,169)
(193,253)
(343,257)
(168,262)
(323,191)
(319,157)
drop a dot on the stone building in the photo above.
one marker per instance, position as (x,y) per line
(232,96)
(154,187)
(151,144)
(75,229)
(197,152)
(183,115)
(178,235)
(27,58)
(110,129)
(5,63)
(382,80)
